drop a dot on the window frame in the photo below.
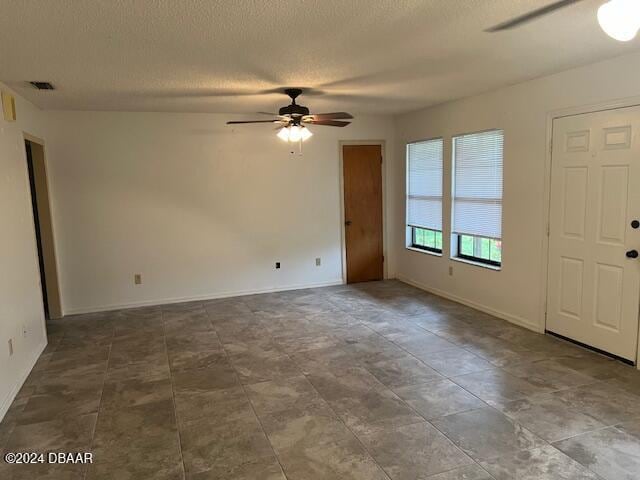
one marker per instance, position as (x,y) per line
(456,238)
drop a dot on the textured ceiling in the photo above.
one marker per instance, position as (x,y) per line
(364,56)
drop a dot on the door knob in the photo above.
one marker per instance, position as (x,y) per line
(347,223)
(632,254)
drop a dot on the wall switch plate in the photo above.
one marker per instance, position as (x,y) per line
(318,262)
(10,346)
(451,271)
(24,331)
(137,279)
(277,264)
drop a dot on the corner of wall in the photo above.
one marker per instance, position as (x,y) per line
(11,395)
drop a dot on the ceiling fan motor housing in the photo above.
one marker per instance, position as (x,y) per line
(294,110)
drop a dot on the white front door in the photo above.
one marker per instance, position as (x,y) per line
(594,279)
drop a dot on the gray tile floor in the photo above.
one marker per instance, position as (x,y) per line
(365,382)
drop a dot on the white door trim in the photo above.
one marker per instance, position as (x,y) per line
(551,115)
(343,240)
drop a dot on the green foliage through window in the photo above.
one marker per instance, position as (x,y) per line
(427,239)
(487,250)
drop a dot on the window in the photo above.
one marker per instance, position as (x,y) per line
(426,239)
(480,249)
(424,195)
(477,196)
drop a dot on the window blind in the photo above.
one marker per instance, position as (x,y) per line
(477,189)
(424,184)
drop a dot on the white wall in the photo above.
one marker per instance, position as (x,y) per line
(20,294)
(516,292)
(197,207)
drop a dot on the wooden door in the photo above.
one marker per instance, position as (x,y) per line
(362,173)
(594,269)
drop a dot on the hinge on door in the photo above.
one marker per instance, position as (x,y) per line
(380,158)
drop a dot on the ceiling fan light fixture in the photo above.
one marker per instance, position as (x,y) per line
(620,19)
(305,133)
(283,134)
(294,133)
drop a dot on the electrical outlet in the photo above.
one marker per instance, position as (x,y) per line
(451,271)
(10,346)
(277,265)
(137,279)
(318,262)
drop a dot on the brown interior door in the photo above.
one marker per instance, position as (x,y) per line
(362,170)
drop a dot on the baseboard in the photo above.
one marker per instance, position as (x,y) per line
(516,320)
(211,296)
(8,400)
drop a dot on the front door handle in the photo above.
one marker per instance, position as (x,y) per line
(632,254)
(347,223)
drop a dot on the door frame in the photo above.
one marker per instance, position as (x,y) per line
(551,116)
(52,277)
(343,233)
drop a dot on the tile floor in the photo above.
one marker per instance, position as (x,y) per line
(367,382)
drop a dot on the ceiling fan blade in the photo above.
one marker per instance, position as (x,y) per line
(329,116)
(238,122)
(328,123)
(272,114)
(532,15)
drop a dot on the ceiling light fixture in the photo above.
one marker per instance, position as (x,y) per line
(283,134)
(620,19)
(294,133)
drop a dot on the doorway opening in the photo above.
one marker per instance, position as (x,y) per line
(363,218)
(39,189)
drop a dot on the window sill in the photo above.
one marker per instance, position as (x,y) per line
(428,252)
(477,264)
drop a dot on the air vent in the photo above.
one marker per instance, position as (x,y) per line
(42,85)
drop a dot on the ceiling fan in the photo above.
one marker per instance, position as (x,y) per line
(620,19)
(532,15)
(292,119)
